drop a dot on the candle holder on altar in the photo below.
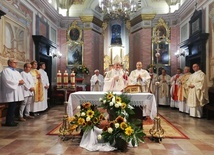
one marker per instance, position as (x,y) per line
(72,79)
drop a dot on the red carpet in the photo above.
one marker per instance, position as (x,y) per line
(170,130)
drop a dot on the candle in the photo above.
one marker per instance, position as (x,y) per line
(72,79)
(59,79)
(65,79)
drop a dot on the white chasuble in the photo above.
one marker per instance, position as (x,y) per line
(197,96)
(133,79)
(110,84)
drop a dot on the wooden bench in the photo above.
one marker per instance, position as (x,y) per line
(3,107)
(3,111)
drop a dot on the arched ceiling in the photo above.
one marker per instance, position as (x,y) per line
(90,7)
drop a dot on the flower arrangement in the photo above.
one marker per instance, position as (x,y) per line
(87,118)
(120,129)
(118,104)
(81,69)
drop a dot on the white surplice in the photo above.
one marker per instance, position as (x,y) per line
(29,83)
(10,89)
(28,95)
(97,86)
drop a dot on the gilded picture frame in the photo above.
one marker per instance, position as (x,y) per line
(74,33)
(161,44)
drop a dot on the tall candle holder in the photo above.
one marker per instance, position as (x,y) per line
(157,131)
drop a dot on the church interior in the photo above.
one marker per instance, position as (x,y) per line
(76,37)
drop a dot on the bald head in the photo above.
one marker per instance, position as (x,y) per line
(186,69)
(195,67)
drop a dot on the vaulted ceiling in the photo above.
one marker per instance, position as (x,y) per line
(74,8)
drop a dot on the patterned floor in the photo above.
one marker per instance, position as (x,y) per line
(30,137)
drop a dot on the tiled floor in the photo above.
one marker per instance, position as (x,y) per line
(30,137)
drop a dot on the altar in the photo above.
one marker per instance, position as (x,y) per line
(137,99)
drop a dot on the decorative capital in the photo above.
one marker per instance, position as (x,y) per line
(86,19)
(128,24)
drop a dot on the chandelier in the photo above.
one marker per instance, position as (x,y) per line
(119,8)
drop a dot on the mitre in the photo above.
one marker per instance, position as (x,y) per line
(117,60)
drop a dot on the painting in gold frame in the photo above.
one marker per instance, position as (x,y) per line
(74,55)
(161,43)
(74,33)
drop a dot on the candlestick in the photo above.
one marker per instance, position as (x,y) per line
(65,79)
(59,79)
(72,79)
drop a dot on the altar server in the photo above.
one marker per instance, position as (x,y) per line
(140,76)
(11,90)
(183,90)
(97,81)
(164,88)
(116,78)
(198,93)
(28,90)
(174,89)
(45,83)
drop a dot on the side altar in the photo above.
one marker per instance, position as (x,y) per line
(137,99)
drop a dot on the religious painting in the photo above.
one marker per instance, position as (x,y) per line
(74,34)
(74,57)
(116,35)
(161,44)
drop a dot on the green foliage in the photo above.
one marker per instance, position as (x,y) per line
(87,118)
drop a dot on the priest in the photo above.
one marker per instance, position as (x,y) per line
(174,89)
(198,93)
(115,79)
(183,90)
(97,81)
(164,88)
(37,106)
(45,83)
(141,77)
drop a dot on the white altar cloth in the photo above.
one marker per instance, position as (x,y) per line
(137,99)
